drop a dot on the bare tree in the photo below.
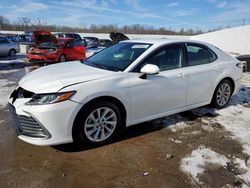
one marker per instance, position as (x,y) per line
(25,22)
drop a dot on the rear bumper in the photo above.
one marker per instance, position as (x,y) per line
(237,86)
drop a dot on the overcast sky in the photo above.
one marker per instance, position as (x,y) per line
(196,14)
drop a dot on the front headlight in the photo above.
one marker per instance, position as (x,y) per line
(51,98)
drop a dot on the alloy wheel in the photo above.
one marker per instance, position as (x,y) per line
(223,94)
(100,124)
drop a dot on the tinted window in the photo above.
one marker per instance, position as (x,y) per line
(3,40)
(199,54)
(76,36)
(166,58)
(75,43)
(117,57)
(60,35)
(69,36)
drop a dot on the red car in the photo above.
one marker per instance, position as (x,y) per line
(51,49)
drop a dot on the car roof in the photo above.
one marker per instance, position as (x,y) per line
(65,38)
(163,41)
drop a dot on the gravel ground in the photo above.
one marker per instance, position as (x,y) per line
(198,148)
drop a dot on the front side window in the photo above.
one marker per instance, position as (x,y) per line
(166,58)
(199,54)
(3,40)
(117,57)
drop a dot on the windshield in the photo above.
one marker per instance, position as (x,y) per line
(117,57)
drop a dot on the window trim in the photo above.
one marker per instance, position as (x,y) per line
(185,63)
(202,46)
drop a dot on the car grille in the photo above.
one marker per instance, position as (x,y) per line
(36,61)
(37,53)
(27,126)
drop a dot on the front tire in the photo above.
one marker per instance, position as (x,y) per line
(12,53)
(222,94)
(97,124)
(62,58)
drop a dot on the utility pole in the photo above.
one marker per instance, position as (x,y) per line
(244,21)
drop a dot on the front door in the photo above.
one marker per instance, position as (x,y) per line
(75,50)
(162,92)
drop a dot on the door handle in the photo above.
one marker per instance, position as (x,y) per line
(181,75)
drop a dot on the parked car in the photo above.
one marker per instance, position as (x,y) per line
(105,43)
(8,47)
(28,36)
(92,42)
(13,38)
(71,35)
(129,83)
(68,35)
(51,49)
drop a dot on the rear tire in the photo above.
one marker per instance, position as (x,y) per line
(222,94)
(12,53)
(62,58)
(97,124)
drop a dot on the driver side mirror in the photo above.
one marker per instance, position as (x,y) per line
(149,69)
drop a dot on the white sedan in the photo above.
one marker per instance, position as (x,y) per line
(129,83)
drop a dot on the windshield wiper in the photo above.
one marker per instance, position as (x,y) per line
(101,66)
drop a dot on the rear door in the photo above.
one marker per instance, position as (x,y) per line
(203,73)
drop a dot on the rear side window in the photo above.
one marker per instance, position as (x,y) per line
(199,54)
(75,43)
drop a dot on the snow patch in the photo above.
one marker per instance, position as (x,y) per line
(195,164)
(177,126)
(236,119)
(208,128)
(175,141)
(6,87)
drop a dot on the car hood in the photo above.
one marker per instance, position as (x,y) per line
(44,36)
(52,78)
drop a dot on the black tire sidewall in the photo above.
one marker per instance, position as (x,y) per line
(214,101)
(61,57)
(12,50)
(79,135)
